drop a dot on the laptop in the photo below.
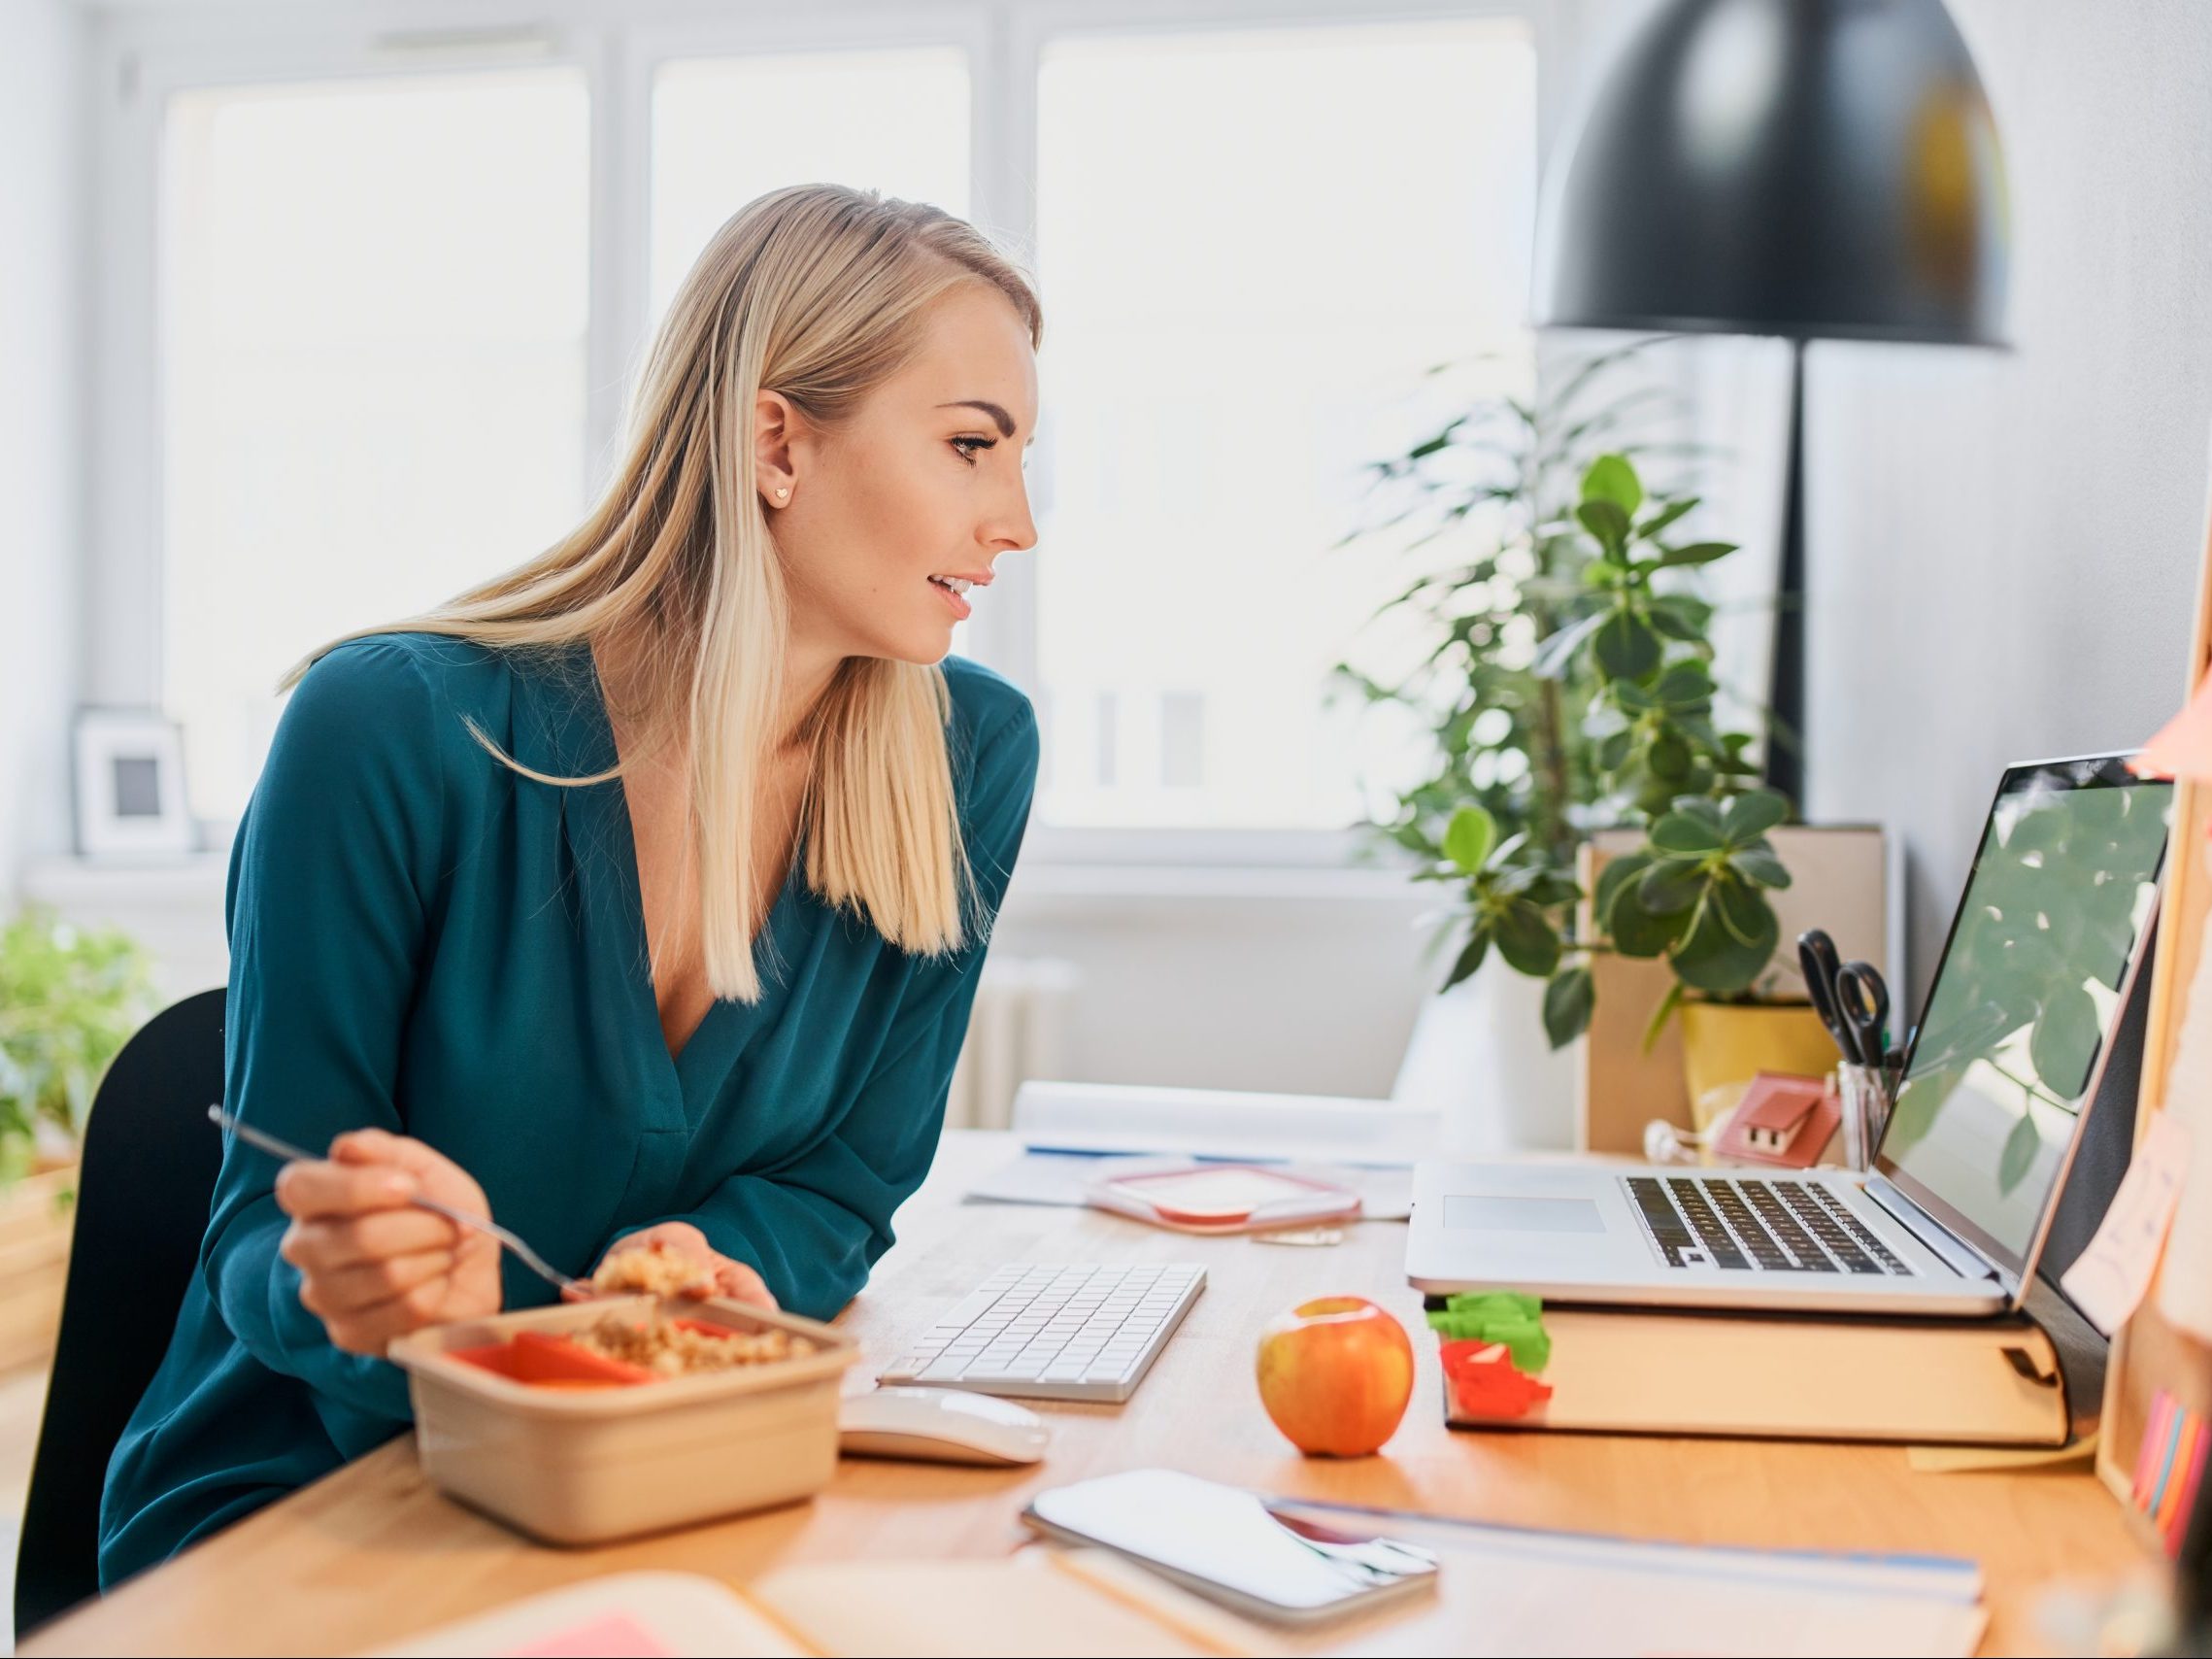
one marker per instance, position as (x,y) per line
(2051,933)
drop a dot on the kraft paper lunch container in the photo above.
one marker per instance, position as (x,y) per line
(583,1463)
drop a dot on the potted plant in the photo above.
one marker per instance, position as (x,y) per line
(1582,646)
(69,998)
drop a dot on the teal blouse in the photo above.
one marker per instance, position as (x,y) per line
(426,941)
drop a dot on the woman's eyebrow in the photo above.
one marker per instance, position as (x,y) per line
(1004,420)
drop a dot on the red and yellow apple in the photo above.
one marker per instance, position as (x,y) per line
(1335,1374)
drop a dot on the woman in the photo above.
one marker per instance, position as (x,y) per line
(639,894)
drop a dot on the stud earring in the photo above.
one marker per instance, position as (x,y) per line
(781,494)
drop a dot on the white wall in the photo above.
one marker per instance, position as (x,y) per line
(2004,547)
(40,419)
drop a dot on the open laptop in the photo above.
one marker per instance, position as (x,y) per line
(2050,934)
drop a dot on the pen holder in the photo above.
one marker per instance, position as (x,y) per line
(1865,1094)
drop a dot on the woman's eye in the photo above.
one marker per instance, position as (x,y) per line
(968,454)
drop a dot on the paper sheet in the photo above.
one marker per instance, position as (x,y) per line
(1506,1590)
(2109,1278)
(2185,1299)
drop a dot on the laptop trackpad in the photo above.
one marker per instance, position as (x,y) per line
(1475,1212)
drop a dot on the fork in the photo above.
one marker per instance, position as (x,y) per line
(290,1154)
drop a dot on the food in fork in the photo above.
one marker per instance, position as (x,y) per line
(680,1348)
(651,1269)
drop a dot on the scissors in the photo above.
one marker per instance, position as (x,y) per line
(1862,1000)
(1818,962)
(1854,1016)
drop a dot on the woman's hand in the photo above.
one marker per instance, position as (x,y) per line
(372,1266)
(724,1276)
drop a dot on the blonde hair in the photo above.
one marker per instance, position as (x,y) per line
(818,292)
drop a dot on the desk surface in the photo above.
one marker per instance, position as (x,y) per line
(372,1555)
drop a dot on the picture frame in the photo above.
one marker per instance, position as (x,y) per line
(129,769)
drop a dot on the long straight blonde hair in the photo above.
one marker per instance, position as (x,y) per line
(817,292)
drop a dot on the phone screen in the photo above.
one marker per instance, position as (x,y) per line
(1226,1538)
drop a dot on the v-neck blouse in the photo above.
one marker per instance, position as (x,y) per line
(422,940)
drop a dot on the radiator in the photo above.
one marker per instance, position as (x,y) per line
(1018,1031)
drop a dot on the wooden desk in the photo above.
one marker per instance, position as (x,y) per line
(372,1554)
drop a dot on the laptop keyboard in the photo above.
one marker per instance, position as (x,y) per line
(1757,1225)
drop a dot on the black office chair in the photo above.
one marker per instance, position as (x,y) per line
(143,1193)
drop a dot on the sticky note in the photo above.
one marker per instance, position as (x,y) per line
(610,1636)
(2182,748)
(2152,1449)
(2109,1278)
(1498,1316)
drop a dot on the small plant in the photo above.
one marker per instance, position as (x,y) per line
(1612,700)
(69,998)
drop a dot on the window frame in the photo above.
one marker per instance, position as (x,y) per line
(141,57)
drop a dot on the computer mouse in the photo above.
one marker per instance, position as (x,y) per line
(940,1425)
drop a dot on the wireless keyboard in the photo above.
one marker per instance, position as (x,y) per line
(1051,1332)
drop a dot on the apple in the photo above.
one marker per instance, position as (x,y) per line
(1335,1374)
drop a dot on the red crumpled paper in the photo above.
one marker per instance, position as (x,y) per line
(1486,1383)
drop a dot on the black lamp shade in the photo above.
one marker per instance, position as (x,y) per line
(1816,169)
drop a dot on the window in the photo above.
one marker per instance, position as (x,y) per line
(726,130)
(371,310)
(1239,303)
(396,288)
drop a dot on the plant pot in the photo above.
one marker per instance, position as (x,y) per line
(1478,1058)
(1729,1043)
(35,1221)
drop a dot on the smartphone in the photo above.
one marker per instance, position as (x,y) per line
(1226,1544)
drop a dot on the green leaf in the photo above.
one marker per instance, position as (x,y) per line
(1680,616)
(1759,866)
(2065,1039)
(1632,697)
(1555,888)
(2019,1155)
(1527,940)
(1696,553)
(1662,1014)
(1664,516)
(1567,1004)
(1704,808)
(1732,939)
(1470,957)
(1611,479)
(1683,685)
(1558,649)
(1680,831)
(1468,840)
(1752,814)
(1627,647)
(1616,875)
(1668,757)
(1606,522)
(1671,886)
(1636,931)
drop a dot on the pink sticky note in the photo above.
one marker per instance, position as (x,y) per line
(2109,1279)
(2183,746)
(610,1636)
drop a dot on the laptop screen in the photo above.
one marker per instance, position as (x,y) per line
(2055,909)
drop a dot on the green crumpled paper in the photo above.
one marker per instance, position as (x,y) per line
(1498,1316)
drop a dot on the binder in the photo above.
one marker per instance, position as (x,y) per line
(1994,1382)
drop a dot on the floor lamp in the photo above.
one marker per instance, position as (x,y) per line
(1808,169)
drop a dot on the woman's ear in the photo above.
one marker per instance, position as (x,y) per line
(775,436)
